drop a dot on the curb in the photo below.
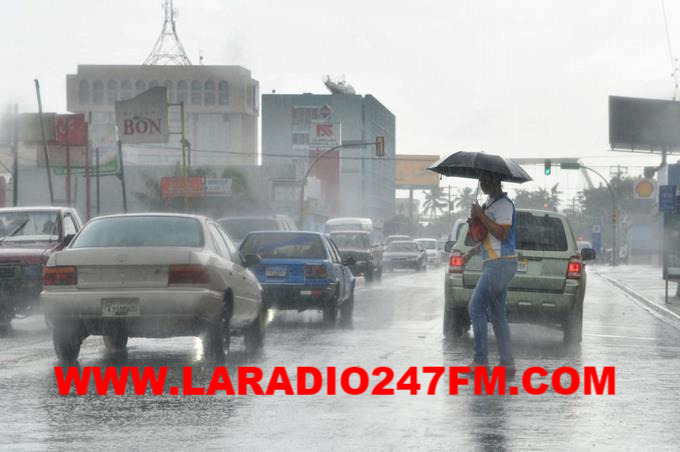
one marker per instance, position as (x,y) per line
(654,308)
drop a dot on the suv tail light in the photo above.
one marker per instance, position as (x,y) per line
(316,271)
(60,276)
(456,262)
(188,274)
(574,268)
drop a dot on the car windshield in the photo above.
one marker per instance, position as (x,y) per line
(238,228)
(284,246)
(428,244)
(537,233)
(402,247)
(140,231)
(353,241)
(20,226)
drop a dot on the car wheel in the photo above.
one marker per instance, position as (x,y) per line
(254,334)
(115,342)
(216,341)
(330,311)
(347,310)
(67,340)
(573,326)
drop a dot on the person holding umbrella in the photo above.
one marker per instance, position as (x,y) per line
(497,248)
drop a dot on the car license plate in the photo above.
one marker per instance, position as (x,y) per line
(120,307)
(276,272)
(523,265)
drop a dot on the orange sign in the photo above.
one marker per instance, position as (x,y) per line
(411,171)
(180,187)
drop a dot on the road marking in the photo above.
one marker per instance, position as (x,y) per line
(622,337)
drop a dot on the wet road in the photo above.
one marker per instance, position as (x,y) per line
(397,324)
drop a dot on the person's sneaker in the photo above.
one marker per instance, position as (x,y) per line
(474,364)
(510,371)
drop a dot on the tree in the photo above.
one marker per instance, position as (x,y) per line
(434,201)
(464,202)
(540,198)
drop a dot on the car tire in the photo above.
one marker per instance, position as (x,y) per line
(218,337)
(255,333)
(573,326)
(330,311)
(347,310)
(67,341)
(115,342)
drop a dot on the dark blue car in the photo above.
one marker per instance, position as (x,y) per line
(302,270)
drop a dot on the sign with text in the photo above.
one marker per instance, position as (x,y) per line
(325,135)
(180,187)
(70,130)
(217,187)
(144,118)
(667,198)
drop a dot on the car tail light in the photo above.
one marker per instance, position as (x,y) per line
(188,274)
(456,262)
(316,271)
(60,276)
(575,267)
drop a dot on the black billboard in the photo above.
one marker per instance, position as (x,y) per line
(644,124)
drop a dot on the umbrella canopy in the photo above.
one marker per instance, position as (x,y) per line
(473,164)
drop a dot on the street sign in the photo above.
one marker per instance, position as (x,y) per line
(645,189)
(667,198)
(217,187)
(325,135)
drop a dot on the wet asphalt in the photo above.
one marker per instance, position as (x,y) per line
(397,324)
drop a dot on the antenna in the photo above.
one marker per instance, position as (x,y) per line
(168,48)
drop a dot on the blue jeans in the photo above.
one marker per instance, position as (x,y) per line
(490,294)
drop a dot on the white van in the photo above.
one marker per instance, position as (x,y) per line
(354,224)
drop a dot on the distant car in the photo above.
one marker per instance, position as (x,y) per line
(456,229)
(152,275)
(239,227)
(548,288)
(583,244)
(301,271)
(367,256)
(396,237)
(28,236)
(430,247)
(404,254)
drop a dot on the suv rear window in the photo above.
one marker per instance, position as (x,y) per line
(536,233)
(284,246)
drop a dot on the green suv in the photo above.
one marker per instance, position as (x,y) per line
(548,288)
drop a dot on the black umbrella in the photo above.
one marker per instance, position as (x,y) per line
(473,164)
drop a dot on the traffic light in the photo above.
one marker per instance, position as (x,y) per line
(380,146)
(547,167)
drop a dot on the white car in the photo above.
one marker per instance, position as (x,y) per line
(430,246)
(152,275)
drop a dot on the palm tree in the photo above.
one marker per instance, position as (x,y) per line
(434,201)
(467,197)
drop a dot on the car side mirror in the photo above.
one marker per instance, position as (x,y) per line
(587,254)
(449,246)
(349,261)
(251,260)
(68,239)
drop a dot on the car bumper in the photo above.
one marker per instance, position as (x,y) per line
(298,296)
(18,295)
(401,264)
(162,313)
(361,268)
(433,259)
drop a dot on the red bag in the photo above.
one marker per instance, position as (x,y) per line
(476,229)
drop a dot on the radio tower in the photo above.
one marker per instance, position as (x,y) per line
(168,49)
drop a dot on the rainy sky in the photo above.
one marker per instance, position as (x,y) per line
(520,78)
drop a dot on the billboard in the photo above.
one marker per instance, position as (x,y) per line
(144,118)
(411,171)
(180,187)
(70,130)
(325,135)
(644,124)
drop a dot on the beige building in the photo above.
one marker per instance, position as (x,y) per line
(221,109)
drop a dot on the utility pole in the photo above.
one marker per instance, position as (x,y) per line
(44,142)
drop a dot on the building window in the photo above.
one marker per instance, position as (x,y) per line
(209,93)
(153,83)
(98,92)
(111,91)
(182,91)
(125,89)
(256,97)
(84,92)
(223,92)
(140,87)
(300,138)
(303,117)
(168,86)
(196,95)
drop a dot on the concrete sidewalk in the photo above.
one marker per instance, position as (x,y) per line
(643,283)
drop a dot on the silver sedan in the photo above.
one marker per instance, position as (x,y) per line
(152,275)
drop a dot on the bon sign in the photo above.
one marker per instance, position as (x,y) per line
(144,119)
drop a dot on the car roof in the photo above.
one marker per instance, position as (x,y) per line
(153,214)
(254,217)
(550,213)
(350,232)
(318,234)
(340,220)
(423,239)
(34,209)
(402,241)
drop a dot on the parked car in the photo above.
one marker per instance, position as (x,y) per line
(396,237)
(548,288)
(152,275)
(430,247)
(443,254)
(367,256)
(239,227)
(302,271)
(28,236)
(404,254)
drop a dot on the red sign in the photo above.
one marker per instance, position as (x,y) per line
(70,130)
(180,187)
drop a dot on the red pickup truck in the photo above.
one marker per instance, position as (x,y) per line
(28,235)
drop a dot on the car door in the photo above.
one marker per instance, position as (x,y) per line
(251,287)
(344,273)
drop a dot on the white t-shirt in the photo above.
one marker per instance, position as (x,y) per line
(500,212)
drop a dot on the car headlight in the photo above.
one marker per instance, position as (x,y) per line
(32,271)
